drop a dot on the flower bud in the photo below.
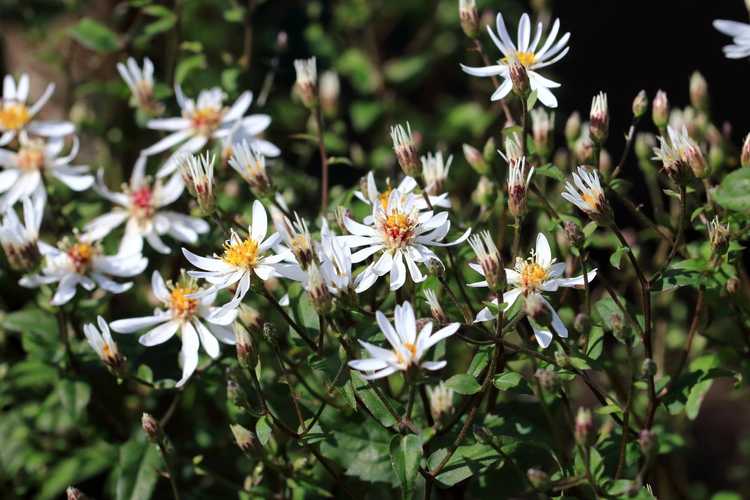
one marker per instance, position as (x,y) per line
(599,118)
(648,368)
(583,424)
(300,241)
(74,493)
(198,175)
(251,318)
(718,235)
(696,161)
(318,290)
(582,323)
(251,165)
(733,284)
(561,359)
(640,104)
(745,156)
(483,195)
(646,440)
(518,77)
(660,109)
(475,159)
(518,184)
(438,314)
(467,13)
(247,355)
(698,92)
(716,157)
(542,129)
(151,427)
(573,233)
(330,88)
(538,479)
(584,150)
(306,85)
(513,148)
(246,440)
(488,151)
(435,172)
(489,259)
(441,401)
(548,378)
(406,150)
(573,127)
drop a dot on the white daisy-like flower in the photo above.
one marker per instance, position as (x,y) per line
(251,165)
(536,275)
(402,236)
(20,240)
(441,400)
(141,204)
(82,262)
(241,259)
(24,168)
(17,115)
(248,131)
(190,311)
(102,343)
(406,188)
(202,120)
(407,346)
(529,54)
(435,172)
(586,193)
(740,33)
(140,81)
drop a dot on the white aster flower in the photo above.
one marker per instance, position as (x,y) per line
(740,33)
(82,262)
(401,235)
(536,275)
(441,400)
(190,311)
(336,262)
(101,342)
(408,347)
(435,172)
(141,84)
(251,165)
(141,204)
(529,54)
(24,168)
(241,259)
(202,120)
(586,193)
(20,241)
(16,114)
(370,195)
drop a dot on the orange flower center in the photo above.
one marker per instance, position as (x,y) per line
(206,120)
(30,158)
(182,306)
(398,228)
(81,255)
(384,197)
(532,276)
(525,58)
(411,348)
(13,115)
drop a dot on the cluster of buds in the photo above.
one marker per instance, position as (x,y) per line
(599,119)
(405,148)
(105,347)
(307,81)
(583,425)
(718,235)
(542,129)
(640,104)
(441,401)
(436,310)
(518,185)
(699,92)
(467,13)
(475,159)
(679,154)
(660,109)
(251,165)
(489,260)
(435,172)
(198,175)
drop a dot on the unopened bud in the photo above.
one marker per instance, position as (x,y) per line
(660,109)
(74,493)
(475,159)
(151,427)
(467,13)
(247,355)
(484,193)
(733,284)
(646,440)
(582,323)
(519,77)
(584,424)
(488,257)
(198,175)
(538,479)
(696,161)
(307,81)
(330,88)
(548,378)
(436,310)
(573,233)
(518,183)
(648,368)
(441,401)
(251,165)
(698,91)
(573,127)
(406,150)
(599,118)
(250,318)
(640,104)
(542,129)
(246,440)
(745,156)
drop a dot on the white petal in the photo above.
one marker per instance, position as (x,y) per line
(159,334)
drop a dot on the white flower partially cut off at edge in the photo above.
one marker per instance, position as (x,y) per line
(538,274)
(407,346)
(24,169)
(740,33)
(83,263)
(190,311)
(203,120)
(402,236)
(529,54)
(16,115)
(20,240)
(140,206)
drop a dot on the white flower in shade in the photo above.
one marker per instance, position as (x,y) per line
(307,80)
(101,342)
(251,165)
(189,310)
(141,84)
(82,262)
(435,172)
(407,346)
(529,54)
(141,204)
(441,400)
(24,168)
(202,120)
(241,259)
(401,236)
(740,33)
(536,275)
(336,262)
(16,114)
(586,193)
(20,240)
(406,188)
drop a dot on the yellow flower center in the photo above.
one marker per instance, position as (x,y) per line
(384,197)
(181,305)
(409,347)
(242,253)
(532,276)
(13,115)
(205,120)
(590,199)
(30,158)
(525,58)
(398,229)
(81,254)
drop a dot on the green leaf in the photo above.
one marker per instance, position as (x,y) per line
(511,381)
(166,19)
(137,470)
(371,400)
(465,462)
(74,397)
(616,256)
(406,452)
(363,449)
(463,383)
(94,35)
(734,191)
(263,430)
(364,114)
(187,66)
(551,171)
(531,101)
(82,464)
(403,69)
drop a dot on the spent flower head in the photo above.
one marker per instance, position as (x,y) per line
(406,149)
(198,175)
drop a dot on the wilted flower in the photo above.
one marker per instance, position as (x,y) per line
(441,401)
(141,204)
(435,172)
(718,235)
(198,175)
(20,241)
(678,153)
(141,85)
(408,347)
(586,193)
(190,310)
(251,165)
(599,118)
(307,81)
(101,342)
(406,149)
(528,54)
(436,310)
(518,185)
(16,115)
